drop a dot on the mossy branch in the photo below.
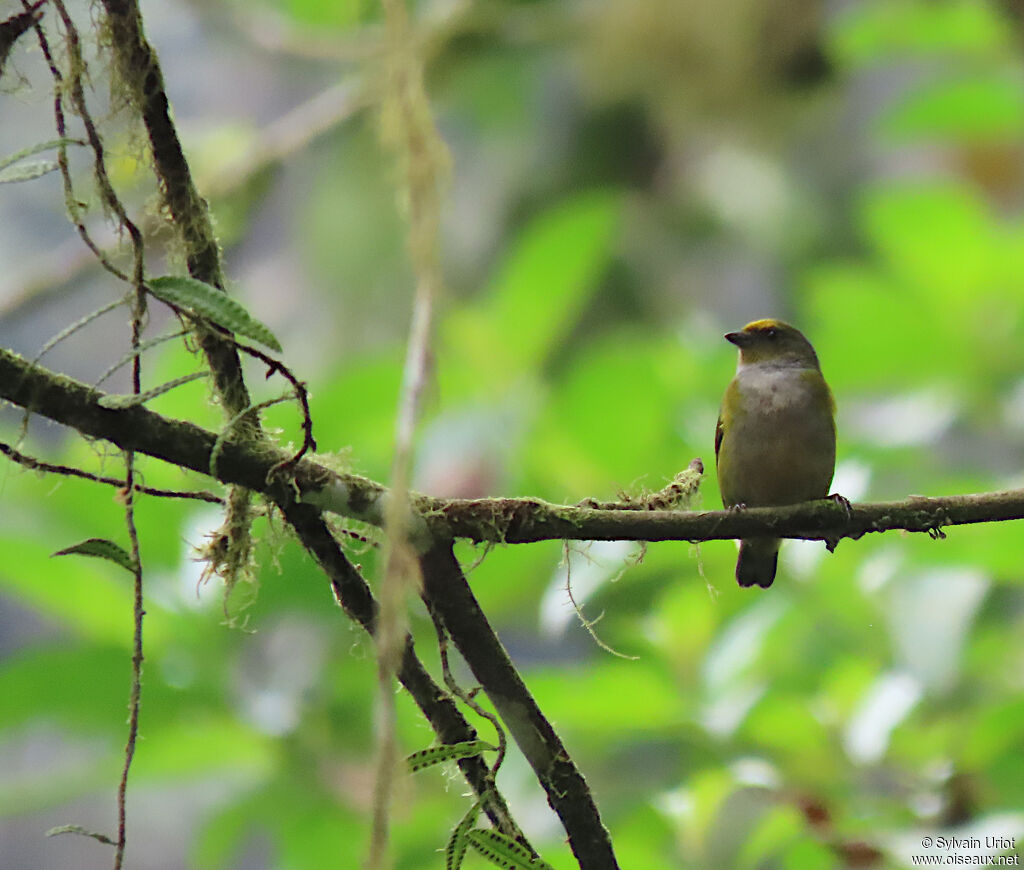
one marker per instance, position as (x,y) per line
(504,520)
(138,66)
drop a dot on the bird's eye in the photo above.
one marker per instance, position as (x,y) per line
(771,332)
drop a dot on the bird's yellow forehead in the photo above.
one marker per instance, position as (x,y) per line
(762,325)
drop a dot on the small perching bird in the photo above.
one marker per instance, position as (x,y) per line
(775,443)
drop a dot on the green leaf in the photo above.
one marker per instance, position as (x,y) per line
(331,16)
(585,698)
(877,313)
(311,827)
(504,851)
(972,108)
(213,304)
(36,149)
(706,793)
(223,833)
(446,752)
(807,854)
(82,594)
(546,279)
(867,32)
(119,401)
(100,548)
(458,843)
(203,745)
(639,376)
(772,835)
(939,235)
(78,829)
(89,696)
(994,732)
(552,271)
(27,171)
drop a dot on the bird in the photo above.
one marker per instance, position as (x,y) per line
(775,442)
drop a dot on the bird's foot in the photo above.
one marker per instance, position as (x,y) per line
(844,502)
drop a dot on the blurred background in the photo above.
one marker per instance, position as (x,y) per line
(628,181)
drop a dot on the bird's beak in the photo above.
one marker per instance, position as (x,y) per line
(740,339)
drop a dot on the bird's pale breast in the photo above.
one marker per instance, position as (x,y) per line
(778,440)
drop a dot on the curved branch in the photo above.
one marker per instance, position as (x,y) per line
(505,520)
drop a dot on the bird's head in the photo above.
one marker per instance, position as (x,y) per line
(773,341)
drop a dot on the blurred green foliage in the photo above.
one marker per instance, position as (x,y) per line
(872,695)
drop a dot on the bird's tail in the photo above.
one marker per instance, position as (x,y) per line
(759,557)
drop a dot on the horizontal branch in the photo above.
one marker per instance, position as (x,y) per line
(501,520)
(521,521)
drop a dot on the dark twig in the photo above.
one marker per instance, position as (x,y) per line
(138,317)
(106,189)
(72,85)
(462,694)
(70,471)
(136,690)
(301,394)
(588,624)
(507,824)
(60,123)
